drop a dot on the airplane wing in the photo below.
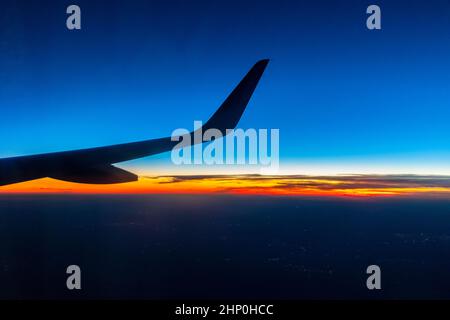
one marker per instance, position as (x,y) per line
(94,165)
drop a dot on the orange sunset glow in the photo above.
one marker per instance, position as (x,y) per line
(289,185)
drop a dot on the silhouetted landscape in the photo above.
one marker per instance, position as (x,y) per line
(223,246)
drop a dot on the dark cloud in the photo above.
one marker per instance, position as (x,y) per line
(343,181)
(345,184)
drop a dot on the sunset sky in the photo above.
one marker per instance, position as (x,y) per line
(340,186)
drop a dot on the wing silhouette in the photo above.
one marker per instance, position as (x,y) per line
(94,165)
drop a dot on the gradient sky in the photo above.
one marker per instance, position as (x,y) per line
(345,99)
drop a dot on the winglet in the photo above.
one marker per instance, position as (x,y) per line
(231,110)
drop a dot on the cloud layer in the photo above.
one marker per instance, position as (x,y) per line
(292,185)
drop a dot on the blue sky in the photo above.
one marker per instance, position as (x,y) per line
(342,96)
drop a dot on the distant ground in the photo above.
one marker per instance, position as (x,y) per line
(223,246)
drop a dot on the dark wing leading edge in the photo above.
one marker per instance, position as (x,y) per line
(94,165)
(97,175)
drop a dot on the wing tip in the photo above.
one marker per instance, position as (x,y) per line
(263,61)
(262,64)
